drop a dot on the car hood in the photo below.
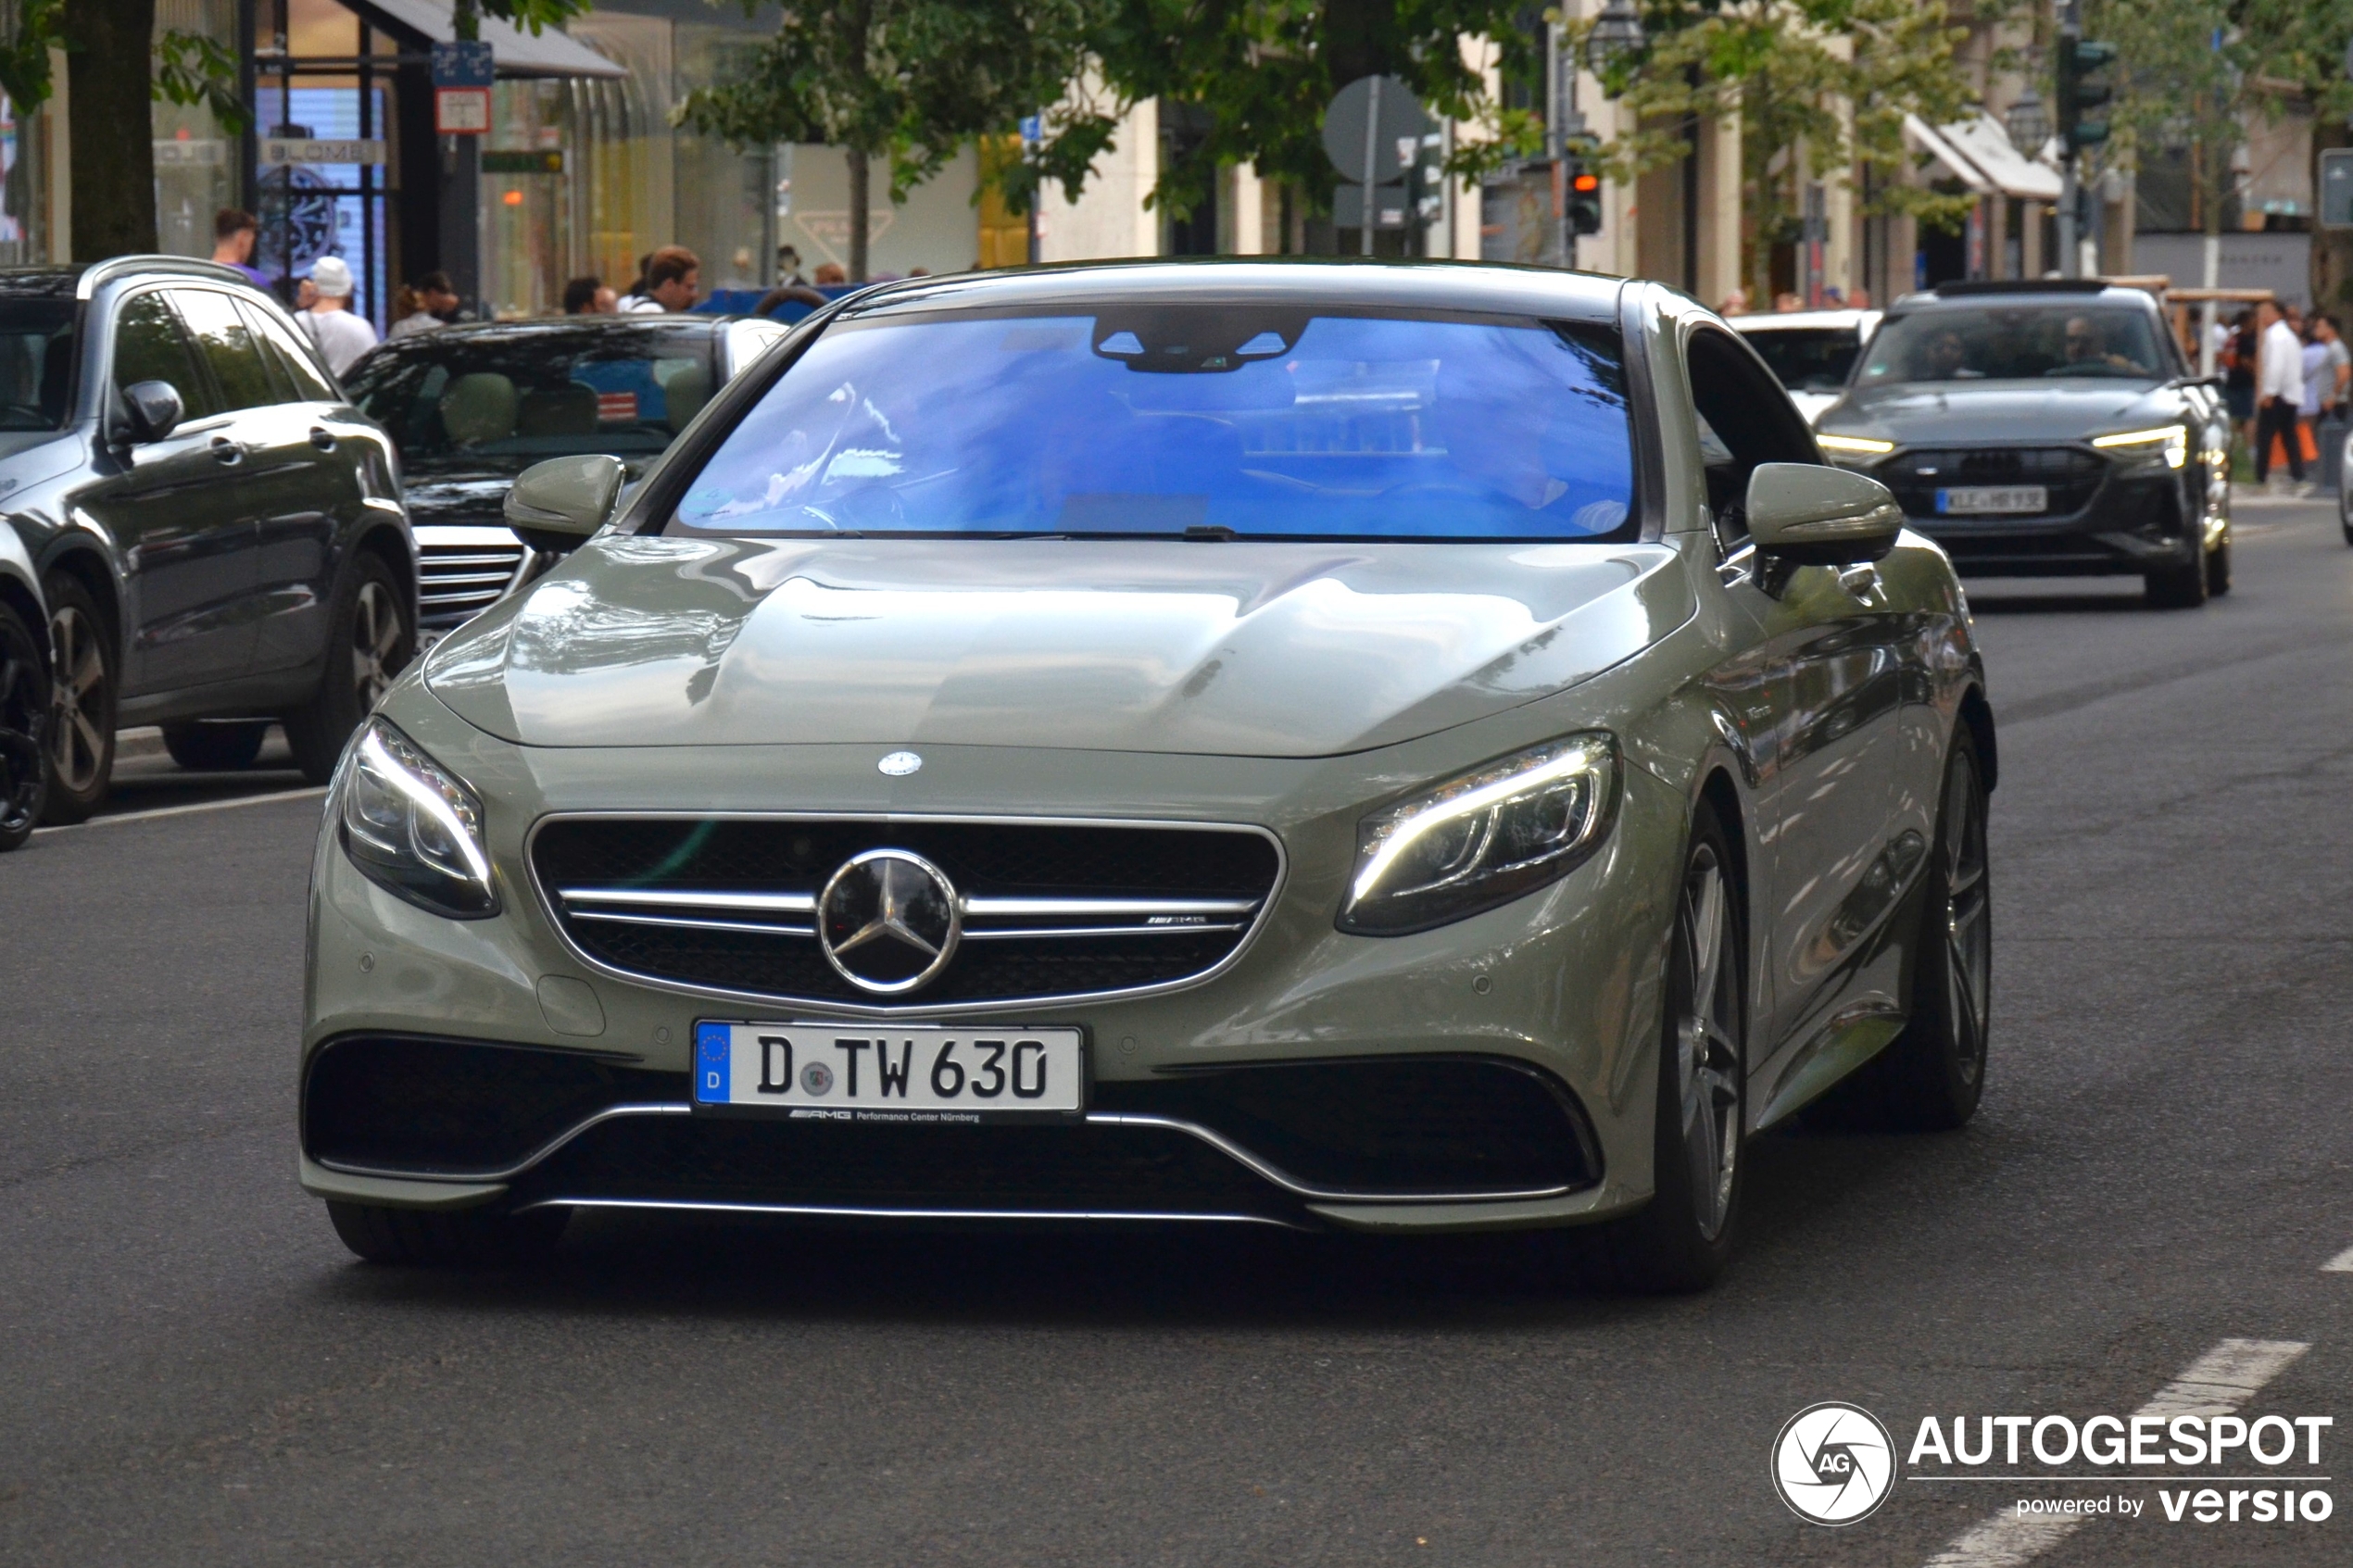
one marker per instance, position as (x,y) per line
(1228,649)
(1965,413)
(469,495)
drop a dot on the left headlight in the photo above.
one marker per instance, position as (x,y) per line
(412,829)
(1483,837)
(2169,444)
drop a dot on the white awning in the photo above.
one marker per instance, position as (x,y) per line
(1955,164)
(1987,145)
(516,52)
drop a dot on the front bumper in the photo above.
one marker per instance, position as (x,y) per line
(1533,1026)
(2106,518)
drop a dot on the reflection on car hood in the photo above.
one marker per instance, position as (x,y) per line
(1961,413)
(1237,649)
(472,495)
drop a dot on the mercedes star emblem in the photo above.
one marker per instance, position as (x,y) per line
(899,764)
(889,922)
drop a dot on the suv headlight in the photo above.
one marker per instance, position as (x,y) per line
(412,829)
(2169,444)
(1482,839)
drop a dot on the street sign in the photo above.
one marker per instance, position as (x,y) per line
(1374,121)
(526,160)
(2336,188)
(462,64)
(279,151)
(1033,129)
(461,111)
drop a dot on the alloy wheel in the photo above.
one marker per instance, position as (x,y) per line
(1969,948)
(77,745)
(375,640)
(1707,1040)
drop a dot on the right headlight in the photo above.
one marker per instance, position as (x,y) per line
(1483,837)
(412,828)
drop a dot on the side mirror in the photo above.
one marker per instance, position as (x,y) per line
(1809,514)
(557,504)
(153,410)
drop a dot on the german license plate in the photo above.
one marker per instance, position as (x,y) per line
(1993,499)
(898,1072)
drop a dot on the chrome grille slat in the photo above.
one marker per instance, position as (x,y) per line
(689,922)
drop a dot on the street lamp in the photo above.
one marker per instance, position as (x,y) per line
(2028,124)
(1618,32)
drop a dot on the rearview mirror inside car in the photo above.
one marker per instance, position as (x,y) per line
(1812,515)
(152,410)
(557,504)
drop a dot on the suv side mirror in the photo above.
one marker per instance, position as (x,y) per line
(557,504)
(152,409)
(1813,515)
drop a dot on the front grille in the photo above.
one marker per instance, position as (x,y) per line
(2070,475)
(1049,910)
(463,570)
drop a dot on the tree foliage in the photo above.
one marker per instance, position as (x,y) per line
(1257,76)
(905,81)
(1821,89)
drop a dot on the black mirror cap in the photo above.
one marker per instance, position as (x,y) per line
(152,409)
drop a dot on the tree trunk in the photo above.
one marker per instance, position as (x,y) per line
(109,66)
(857,215)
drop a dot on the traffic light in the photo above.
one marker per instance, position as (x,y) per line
(2082,84)
(1583,187)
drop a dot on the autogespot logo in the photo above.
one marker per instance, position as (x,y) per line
(1833,1463)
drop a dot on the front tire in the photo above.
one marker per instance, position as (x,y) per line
(369,642)
(82,693)
(24,717)
(2217,569)
(1683,1238)
(466,1238)
(2176,587)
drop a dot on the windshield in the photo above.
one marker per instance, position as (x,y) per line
(506,400)
(36,361)
(2016,342)
(1157,419)
(1809,358)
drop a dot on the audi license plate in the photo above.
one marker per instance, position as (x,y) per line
(898,1072)
(1986,500)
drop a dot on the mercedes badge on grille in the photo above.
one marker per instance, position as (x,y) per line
(889,922)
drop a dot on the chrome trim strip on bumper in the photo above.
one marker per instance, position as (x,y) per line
(819,1210)
(1290,1183)
(1271,1175)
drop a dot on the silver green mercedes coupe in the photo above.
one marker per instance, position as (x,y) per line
(1401,747)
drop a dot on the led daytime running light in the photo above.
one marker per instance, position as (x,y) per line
(1862,443)
(1585,758)
(2175,437)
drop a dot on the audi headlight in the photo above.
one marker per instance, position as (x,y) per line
(412,829)
(1482,839)
(2169,444)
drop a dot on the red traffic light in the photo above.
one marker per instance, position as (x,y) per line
(1585,184)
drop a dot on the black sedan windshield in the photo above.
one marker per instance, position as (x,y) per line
(36,357)
(507,398)
(1262,421)
(2016,342)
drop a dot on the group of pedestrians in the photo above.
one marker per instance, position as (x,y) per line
(2286,374)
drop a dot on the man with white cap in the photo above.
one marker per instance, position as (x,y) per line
(342,337)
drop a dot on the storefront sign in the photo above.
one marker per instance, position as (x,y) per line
(525,160)
(177,152)
(279,151)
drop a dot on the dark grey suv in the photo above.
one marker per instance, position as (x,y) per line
(218,533)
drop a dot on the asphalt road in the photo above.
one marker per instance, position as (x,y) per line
(197,1372)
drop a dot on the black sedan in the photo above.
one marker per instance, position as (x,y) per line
(470,408)
(2045,429)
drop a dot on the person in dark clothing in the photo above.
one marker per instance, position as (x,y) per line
(2238,375)
(588,296)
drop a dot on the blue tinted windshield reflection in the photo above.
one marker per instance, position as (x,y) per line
(1325,427)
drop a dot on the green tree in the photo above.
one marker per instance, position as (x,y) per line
(907,81)
(1822,88)
(1261,74)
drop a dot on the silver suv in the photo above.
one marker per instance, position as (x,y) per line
(218,533)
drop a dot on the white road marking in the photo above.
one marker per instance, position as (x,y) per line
(185,810)
(2214,1383)
(2340,1264)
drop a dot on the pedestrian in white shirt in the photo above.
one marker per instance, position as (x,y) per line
(2279,393)
(341,335)
(673,283)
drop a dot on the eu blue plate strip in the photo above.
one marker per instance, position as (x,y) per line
(712,1050)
